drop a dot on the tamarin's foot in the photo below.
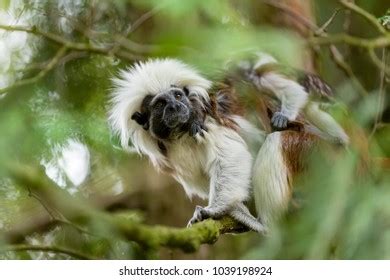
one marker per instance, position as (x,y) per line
(199,215)
(203,213)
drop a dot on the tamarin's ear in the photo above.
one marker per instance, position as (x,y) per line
(186,91)
(141,119)
(137,116)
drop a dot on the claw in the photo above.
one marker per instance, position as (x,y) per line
(199,215)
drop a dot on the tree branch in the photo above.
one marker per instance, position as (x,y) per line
(379,63)
(144,18)
(323,28)
(49,66)
(79,212)
(340,62)
(293,14)
(69,44)
(379,42)
(336,55)
(369,17)
(65,46)
(44,248)
(381,96)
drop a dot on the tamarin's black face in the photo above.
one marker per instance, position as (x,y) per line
(168,114)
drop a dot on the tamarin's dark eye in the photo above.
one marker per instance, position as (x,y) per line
(159,103)
(178,95)
(186,91)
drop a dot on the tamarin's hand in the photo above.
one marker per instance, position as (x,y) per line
(197,127)
(279,121)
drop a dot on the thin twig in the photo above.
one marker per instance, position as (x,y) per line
(369,17)
(335,52)
(144,18)
(69,44)
(52,63)
(347,27)
(65,59)
(343,66)
(45,248)
(379,63)
(379,42)
(58,217)
(78,228)
(323,28)
(37,198)
(348,19)
(122,40)
(293,14)
(381,96)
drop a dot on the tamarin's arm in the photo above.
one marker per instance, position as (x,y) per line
(197,121)
(291,94)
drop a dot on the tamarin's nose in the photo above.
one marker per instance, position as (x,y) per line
(172,108)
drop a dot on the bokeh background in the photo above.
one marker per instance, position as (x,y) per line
(53,118)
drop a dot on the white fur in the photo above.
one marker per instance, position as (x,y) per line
(230,166)
(291,94)
(326,124)
(294,99)
(249,132)
(263,58)
(218,167)
(270,180)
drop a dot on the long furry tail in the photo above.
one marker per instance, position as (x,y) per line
(270,180)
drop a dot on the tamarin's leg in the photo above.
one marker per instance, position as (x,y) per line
(230,173)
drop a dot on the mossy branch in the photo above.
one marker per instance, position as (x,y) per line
(76,46)
(65,45)
(81,213)
(45,248)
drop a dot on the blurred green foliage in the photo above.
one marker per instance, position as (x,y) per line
(59,124)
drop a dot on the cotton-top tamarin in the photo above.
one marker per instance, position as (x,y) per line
(164,108)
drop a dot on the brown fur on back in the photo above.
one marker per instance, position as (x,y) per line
(296,147)
(224,104)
